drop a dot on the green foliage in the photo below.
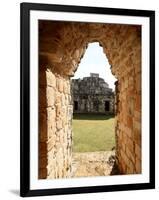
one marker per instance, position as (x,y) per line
(93,132)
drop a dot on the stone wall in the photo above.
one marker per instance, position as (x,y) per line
(128,116)
(61,47)
(55,131)
(92,95)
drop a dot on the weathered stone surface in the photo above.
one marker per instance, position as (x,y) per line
(50,96)
(60,84)
(51,79)
(61,47)
(93,163)
(58,123)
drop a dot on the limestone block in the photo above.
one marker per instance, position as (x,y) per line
(50,93)
(51,114)
(60,84)
(51,126)
(51,154)
(70,112)
(57,145)
(58,124)
(58,98)
(68,87)
(51,131)
(62,138)
(58,110)
(51,79)
(58,133)
(51,142)
(69,134)
(65,89)
(63,100)
(64,113)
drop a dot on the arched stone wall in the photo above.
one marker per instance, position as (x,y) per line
(61,47)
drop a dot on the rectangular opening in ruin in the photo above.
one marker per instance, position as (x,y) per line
(107,105)
(75,106)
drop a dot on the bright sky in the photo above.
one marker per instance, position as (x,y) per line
(95,61)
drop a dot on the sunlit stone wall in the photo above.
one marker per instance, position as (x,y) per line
(61,47)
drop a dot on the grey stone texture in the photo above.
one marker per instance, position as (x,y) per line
(92,95)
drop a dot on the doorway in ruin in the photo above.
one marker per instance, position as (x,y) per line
(107,106)
(61,48)
(93,122)
(75,107)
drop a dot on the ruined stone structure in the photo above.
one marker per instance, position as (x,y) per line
(61,47)
(92,95)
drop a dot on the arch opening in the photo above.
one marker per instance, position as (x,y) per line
(94,121)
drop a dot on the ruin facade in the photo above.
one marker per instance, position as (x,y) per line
(92,95)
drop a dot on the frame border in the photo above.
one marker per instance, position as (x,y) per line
(25,9)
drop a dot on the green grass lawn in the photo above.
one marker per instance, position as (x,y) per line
(93,132)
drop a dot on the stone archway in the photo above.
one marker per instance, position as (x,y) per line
(61,47)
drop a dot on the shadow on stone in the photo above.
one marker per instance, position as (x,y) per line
(115,170)
(112,161)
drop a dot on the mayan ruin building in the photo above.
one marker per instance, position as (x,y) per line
(92,95)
